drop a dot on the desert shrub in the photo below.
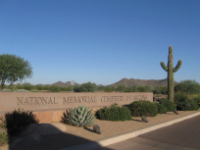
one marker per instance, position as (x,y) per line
(42,87)
(180,97)
(79,116)
(100,88)
(109,89)
(54,88)
(160,90)
(19,86)
(157,90)
(69,88)
(120,88)
(11,87)
(21,90)
(148,88)
(197,100)
(187,105)
(4,138)
(2,122)
(86,87)
(46,87)
(146,108)
(164,89)
(6,86)
(3,132)
(114,113)
(141,89)
(28,86)
(168,104)
(39,87)
(76,88)
(6,90)
(161,108)
(18,120)
(188,87)
(134,89)
(128,89)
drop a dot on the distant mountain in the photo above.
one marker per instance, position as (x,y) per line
(126,82)
(62,84)
(138,82)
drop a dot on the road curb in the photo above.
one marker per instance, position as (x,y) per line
(125,136)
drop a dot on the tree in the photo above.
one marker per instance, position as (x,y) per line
(13,68)
(188,87)
(86,87)
(120,88)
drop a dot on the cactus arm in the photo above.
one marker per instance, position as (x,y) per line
(164,66)
(177,66)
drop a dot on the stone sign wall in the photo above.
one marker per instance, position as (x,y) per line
(59,101)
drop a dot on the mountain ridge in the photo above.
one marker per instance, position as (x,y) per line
(139,82)
(126,82)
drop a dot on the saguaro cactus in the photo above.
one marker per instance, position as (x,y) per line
(171,71)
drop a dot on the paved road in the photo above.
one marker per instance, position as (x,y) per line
(184,135)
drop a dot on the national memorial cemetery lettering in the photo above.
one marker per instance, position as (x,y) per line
(55,101)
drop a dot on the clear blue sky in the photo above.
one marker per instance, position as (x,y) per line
(102,41)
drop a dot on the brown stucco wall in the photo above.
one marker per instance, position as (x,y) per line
(49,107)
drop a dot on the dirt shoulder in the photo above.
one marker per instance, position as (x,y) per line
(113,128)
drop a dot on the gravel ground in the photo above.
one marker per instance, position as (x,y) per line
(113,128)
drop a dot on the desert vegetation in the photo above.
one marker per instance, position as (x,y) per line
(189,87)
(80,116)
(114,113)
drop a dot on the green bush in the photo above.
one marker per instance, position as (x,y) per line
(146,108)
(141,89)
(100,88)
(187,105)
(6,90)
(188,86)
(161,108)
(42,87)
(76,88)
(21,90)
(114,113)
(180,97)
(148,88)
(168,104)
(134,89)
(109,89)
(197,100)
(19,86)
(28,86)
(11,87)
(54,88)
(128,89)
(120,88)
(86,87)
(2,122)
(18,121)
(157,90)
(69,88)
(79,117)
(46,87)
(4,138)
(164,89)
(39,87)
